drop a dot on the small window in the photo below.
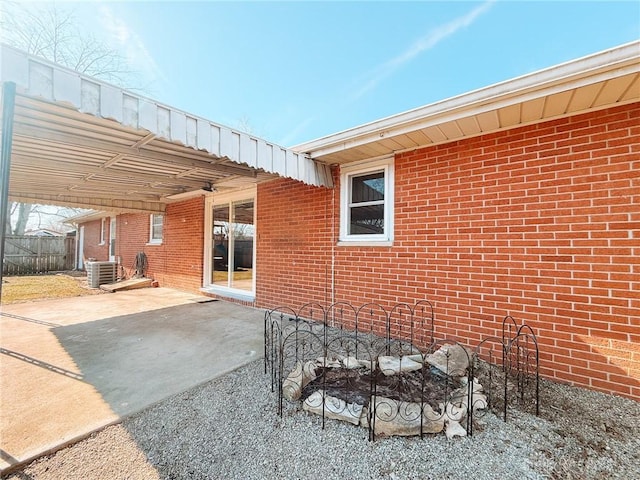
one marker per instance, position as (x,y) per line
(156,222)
(103,230)
(367,202)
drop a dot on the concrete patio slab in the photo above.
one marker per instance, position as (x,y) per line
(71,366)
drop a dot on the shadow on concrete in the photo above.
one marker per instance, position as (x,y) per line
(28,319)
(41,364)
(139,359)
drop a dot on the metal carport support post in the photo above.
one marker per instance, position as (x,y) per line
(8,107)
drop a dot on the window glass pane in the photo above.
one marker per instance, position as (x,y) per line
(233,237)
(156,227)
(366,202)
(243,235)
(368,220)
(220,233)
(112,237)
(367,188)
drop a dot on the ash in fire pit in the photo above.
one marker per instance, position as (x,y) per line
(354,385)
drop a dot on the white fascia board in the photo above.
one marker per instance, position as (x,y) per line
(601,66)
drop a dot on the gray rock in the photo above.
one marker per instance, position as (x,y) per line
(394,365)
(416,357)
(479,401)
(403,418)
(452,360)
(332,407)
(328,362)
(301,375)
(351,363)
(454,429)
(461,396)
(455,411)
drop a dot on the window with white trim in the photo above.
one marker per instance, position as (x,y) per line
(103,229)
(366,213)
(155,231)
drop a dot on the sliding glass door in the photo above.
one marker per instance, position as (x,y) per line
(232,245)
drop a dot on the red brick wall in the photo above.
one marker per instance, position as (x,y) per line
(177,262)
(540,222)
(293,264)
(91,245)
(180,264)
(132,230)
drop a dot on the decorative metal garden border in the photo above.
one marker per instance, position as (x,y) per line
(506,366)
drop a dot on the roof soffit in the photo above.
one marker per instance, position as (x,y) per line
(599,81)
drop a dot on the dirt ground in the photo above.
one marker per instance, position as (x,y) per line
(18,289)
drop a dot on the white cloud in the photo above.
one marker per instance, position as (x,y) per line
(127,41)
(427,42)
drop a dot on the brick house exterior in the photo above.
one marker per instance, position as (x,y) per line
(175,262)
(95,245)
(543,224)
(540,221)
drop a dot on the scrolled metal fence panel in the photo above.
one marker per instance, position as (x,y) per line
(383,369)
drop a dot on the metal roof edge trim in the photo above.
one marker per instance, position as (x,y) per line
(88,216)
(620,60)
(117,206)
(40,78)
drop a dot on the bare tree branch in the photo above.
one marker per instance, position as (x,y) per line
(46,31)
(54,34)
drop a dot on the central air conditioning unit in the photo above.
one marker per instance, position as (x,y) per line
(99,273)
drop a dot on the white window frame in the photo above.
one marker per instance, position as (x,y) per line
(112,238)
(155,241)
(212,200)
(103,230)
(347,172)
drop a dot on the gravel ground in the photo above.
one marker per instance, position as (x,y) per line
(228,429)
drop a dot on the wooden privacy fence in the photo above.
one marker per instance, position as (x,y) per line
(29,254)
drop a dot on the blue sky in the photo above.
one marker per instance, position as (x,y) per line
(296,71)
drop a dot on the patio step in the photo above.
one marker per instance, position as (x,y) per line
(130,284)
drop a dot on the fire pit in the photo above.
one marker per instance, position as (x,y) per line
(402,383)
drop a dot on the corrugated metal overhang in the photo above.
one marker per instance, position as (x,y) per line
(592,83)
(81,142)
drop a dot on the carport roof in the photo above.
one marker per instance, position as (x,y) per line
(591,83)
(78,141)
